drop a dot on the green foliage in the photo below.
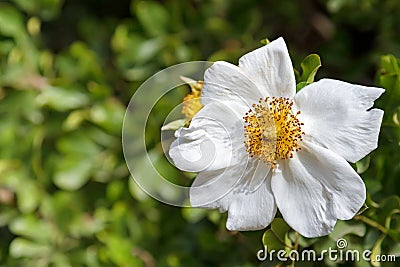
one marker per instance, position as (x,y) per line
(309,67)
(277,238)
(67,72)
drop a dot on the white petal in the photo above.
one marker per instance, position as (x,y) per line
(226,82)
(213,140)
(303,201)
(344,185)
(210,188)
(271,69)
(335,114)
(195,151)
(315,188)
(248,209)
(252,211)
(245,177)
(255,176)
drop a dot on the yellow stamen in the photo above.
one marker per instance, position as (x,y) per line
(272,132)
(191,103)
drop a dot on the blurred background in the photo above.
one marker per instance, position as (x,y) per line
(68,69)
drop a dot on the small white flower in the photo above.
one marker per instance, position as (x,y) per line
(259,146)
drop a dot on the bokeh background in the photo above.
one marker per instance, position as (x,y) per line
(68,69)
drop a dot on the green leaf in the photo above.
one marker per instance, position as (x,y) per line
(109,115)
(31,227)
(265,41)
(148,49)
(74,120)
(309,67)
(270,240)
(46,8)
(85,226)
(120,39)
(214,216)
(363,164)
(302,241)
(57,208)
(78,143)
(343,228)
(389,64)
(277,237)
(72,172)
(28,196)
(61,99)
(193,215)
(300,85)
(115,190)
(27,5)
(324,244)
(136,191)
(390,81)
(396,116)
(139,73)
(61,260)
(280,228)
(21,247)
(389,75)
(152,15)
(79,157)
(376,251)
(119,250)
(297,74)
(11,22)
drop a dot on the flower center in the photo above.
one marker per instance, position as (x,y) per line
(272,132)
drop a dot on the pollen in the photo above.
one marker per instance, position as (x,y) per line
(272,131)
(191,103)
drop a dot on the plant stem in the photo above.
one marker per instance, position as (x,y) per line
(372,223)
(296,246)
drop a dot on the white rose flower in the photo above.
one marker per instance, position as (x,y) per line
(258,146)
